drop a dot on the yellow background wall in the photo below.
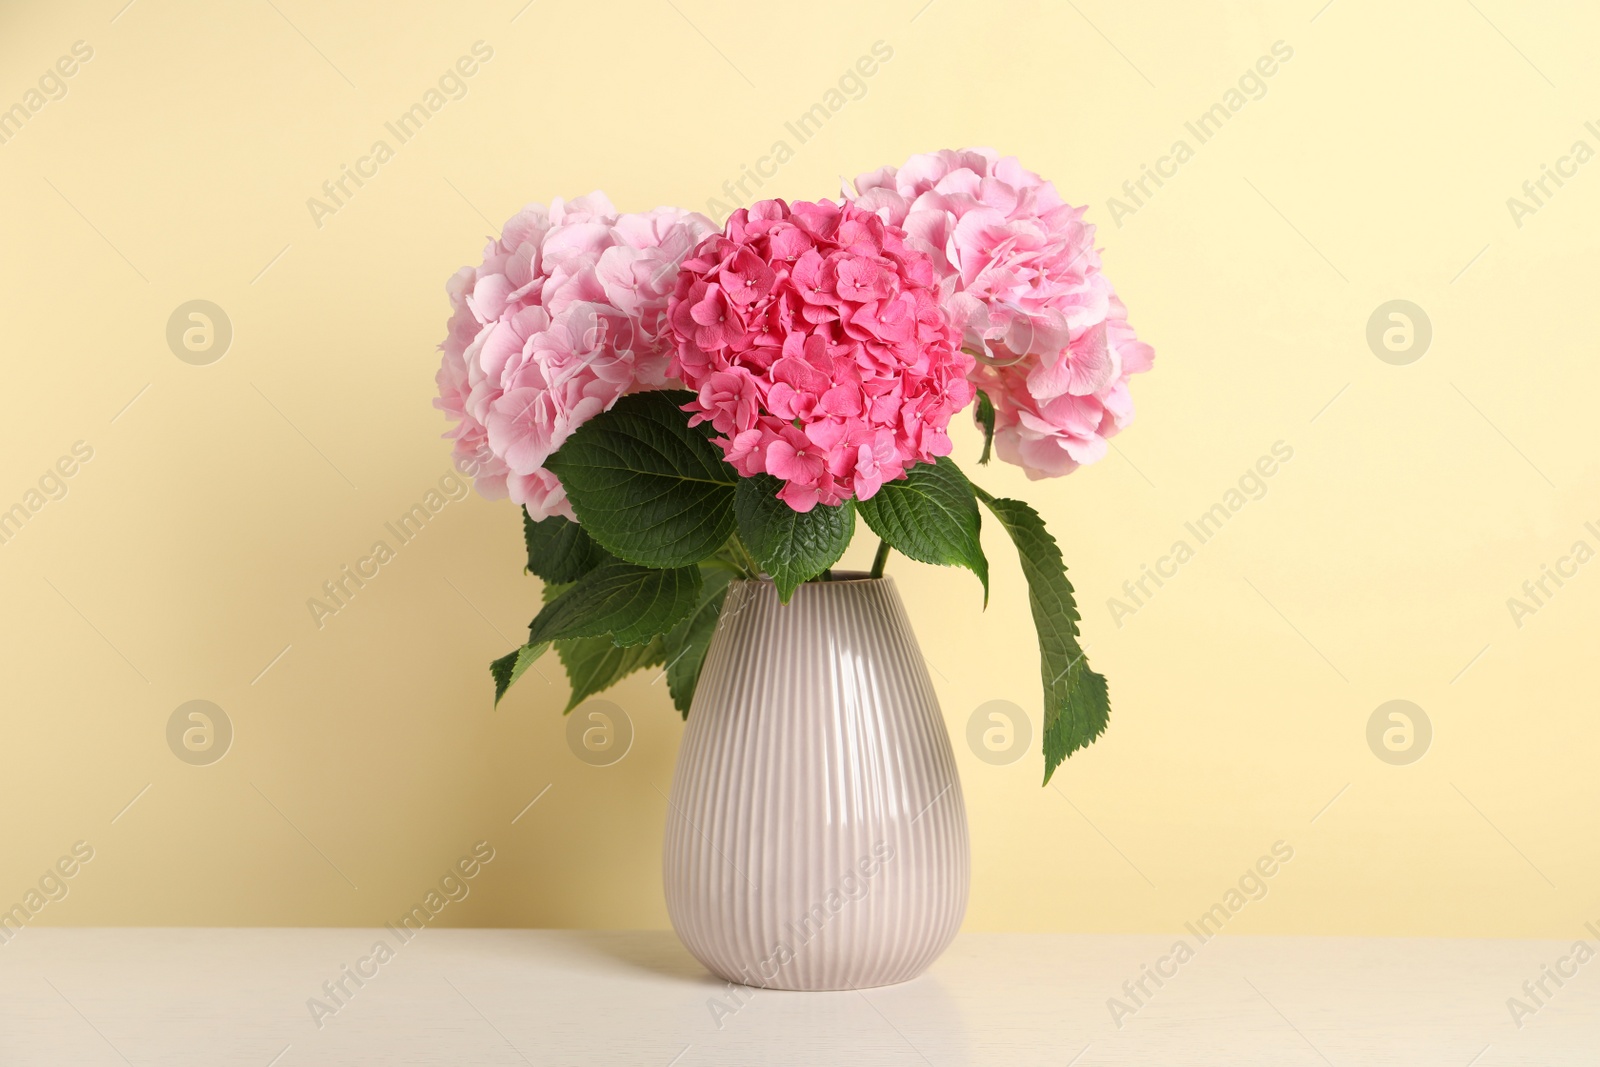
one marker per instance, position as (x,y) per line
(1376,165)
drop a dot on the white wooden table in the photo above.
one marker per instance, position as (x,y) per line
(486,997)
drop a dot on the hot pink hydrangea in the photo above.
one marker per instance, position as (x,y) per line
(815,341)
(565,315)
(1020,276)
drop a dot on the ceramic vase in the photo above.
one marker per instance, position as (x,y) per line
(816,833)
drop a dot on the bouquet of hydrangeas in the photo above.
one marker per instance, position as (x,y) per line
(676,405)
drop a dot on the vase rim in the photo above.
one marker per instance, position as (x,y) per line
(839,577)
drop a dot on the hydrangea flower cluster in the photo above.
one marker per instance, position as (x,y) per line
(1021,278)
(565,315)
(815,341)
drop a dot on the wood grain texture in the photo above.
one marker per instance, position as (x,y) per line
(237,998)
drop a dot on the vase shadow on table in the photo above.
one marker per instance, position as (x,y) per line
(655,952)
(925,1013)
(660,953)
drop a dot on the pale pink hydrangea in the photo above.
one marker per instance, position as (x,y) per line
(1020,276)
(565,315)
(815,342)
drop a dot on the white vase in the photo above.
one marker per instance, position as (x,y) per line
(816,834)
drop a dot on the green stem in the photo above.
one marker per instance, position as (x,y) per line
(746,560)
(880,559)
(726,565)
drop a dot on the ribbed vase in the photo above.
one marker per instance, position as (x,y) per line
(816,834)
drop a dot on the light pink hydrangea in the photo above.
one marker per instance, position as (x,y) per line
(565,315)
(1020,276)
(814,339)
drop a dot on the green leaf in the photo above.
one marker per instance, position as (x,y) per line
(1076,703)
(509,668)
(791,547)
(646,485)
(596,663)
(931,516)
(686,645)
(629,602)
(985,416)
(559,550)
